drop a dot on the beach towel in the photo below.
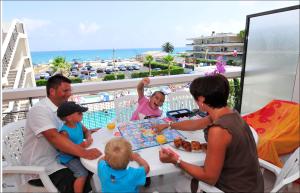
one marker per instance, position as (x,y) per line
(277,125)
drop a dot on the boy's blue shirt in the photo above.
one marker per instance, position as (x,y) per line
(75,135)
(127,180)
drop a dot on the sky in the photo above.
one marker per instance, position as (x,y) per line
(85,25)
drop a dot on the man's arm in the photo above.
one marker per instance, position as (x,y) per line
(64,144)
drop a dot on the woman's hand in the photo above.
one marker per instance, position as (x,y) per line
(166,155)
(159,128)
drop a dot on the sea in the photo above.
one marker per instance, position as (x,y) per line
(45,57)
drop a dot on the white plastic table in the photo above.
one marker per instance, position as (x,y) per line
(151,155)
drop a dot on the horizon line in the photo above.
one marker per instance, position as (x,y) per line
(105,49)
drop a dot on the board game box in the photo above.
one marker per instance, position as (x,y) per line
(141,135)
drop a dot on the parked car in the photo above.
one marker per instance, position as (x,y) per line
(108,71)
(44,75)
(156,69)
(120,66)
(129,67)
(123,68)
(84,77)
(93,75)
(136,67)
(88,66)
(75,73)
(100,70)
(50,72)
(75,65)
(73,68)
(84,70)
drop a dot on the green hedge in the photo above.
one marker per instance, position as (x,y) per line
(76,80)
(232,63)
(140,74)
(120,76)
(155,64)
(43,82)
(177,70)
(174,70)
(109,77)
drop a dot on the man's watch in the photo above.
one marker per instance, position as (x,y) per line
(178,162)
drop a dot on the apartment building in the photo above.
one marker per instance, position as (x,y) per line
(229,45)
(17,69)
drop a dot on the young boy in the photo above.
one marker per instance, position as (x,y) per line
(113,172)
(71,113)
(148,107)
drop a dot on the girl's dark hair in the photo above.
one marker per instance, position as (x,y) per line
(161,92)
(55,81)
(214,88)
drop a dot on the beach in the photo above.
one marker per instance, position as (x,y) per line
(45,57)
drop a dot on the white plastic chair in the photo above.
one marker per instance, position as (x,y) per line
(12,143)
(284,176)
(181,100)
(125,106)
(287,174)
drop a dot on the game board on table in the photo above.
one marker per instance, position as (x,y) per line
(140,134)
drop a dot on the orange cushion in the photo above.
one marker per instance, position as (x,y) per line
(277,125)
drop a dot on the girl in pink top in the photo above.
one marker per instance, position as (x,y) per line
(148,107)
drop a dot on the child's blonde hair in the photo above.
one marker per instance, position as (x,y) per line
(118,153)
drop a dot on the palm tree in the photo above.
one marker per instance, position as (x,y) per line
(168,47)
(168,60)
(149,60)
(59,64)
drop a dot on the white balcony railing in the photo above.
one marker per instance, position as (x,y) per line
(95,87)
(100,111)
